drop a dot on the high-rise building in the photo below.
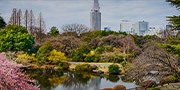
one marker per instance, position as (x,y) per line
(141,27)
(126,26)
(153,31)
(95,16)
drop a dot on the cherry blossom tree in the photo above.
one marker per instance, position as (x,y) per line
(11,77)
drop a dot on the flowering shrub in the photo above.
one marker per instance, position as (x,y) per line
(11,77)
(25,59)
(56,56)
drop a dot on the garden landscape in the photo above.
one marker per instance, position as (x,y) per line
(78,57)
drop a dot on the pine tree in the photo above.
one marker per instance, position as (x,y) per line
(174,20)
(175,3)
(2,22)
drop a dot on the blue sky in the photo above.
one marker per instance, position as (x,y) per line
(60,12)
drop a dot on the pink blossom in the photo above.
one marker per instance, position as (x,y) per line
(11,77)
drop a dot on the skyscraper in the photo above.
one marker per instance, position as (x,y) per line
(126,26)
(141,27)
(95,16)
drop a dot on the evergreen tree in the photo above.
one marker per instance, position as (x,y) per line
(174,20)
(2,22)
(54,31)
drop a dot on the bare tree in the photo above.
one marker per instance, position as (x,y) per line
(78,28)
(128,44)
(41,24)
(31,21)
(153,59)
(26,19)
(13,19)
(19,17)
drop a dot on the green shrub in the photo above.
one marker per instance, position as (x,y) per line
(108,48)
(113,69)
(148,83)
(78,68)
(43,53)
(78,54)
(15,38)
(93,58)
(100,50)
(116,59)
(119,87)
(170,79)
(84,67)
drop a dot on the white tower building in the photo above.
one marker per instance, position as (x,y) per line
(95,16)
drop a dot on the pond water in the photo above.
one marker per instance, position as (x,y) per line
(65,80)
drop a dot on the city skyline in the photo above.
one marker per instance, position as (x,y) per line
(57,13)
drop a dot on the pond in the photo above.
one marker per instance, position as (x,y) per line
(66,80)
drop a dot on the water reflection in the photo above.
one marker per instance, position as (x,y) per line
(64,80)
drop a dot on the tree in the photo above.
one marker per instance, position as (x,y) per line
(19,17)
(26,19)
(111,40)
(31,22)
(78,28)
(2,22)
(54,31)
(174,3)
(41,24)
(128,44)
(174,20)
(78,54)
(43,53)
(66,44)
(154,59)
(11,77)
(13,19)
(15,38)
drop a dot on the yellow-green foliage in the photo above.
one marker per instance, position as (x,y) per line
(56,80)
(85,67)
(170,78)
(56,56)
(90,54)
(26,58)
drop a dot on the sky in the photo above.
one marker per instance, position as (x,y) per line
(61,12)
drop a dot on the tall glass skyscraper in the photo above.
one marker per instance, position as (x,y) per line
(95,16)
